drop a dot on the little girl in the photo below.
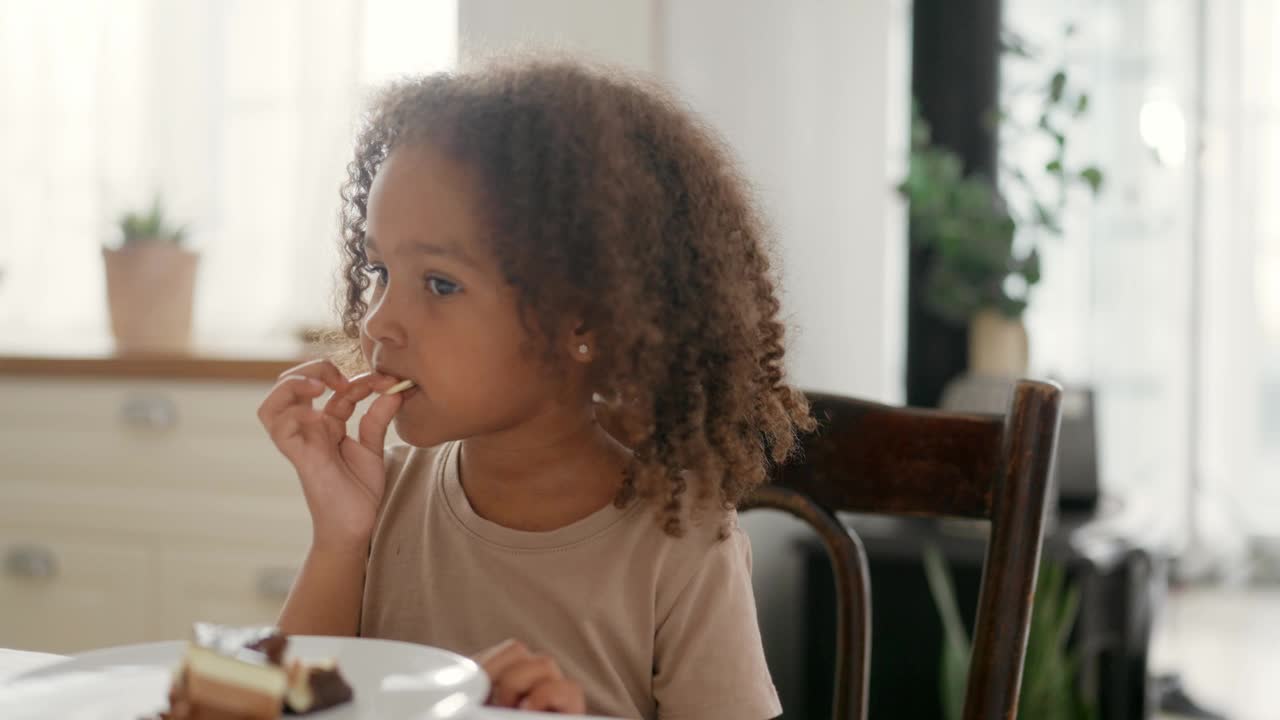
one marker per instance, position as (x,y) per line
(571,273)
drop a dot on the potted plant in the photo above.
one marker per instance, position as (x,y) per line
(150,283)
(983,268)
(1049,688)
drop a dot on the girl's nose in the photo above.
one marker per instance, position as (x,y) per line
(380,323)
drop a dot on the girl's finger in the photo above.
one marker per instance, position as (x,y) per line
(373,426)
(323,370)
(282,428)
(522,677)
(342,405)
(379,381)
(290,391)
(291,421)
(498,659)
(558,696)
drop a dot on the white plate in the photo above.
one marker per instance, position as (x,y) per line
(392,681)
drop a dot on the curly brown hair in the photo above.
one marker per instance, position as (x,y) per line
(605,196)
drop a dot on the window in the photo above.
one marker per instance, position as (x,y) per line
(1240,383)
(238,113)
(1164,295)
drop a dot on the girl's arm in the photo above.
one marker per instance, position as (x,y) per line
(343,480)
(326,595)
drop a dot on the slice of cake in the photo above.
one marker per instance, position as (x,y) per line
(238,673)
(241,685)
(315,686)
(229,672)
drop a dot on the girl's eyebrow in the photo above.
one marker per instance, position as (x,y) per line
(447,251)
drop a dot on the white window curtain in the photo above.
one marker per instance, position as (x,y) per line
(1111,311)
(1164,294)
(1240,315)
(238,113)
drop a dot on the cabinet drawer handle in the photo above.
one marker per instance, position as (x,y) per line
(149,412)
(31,561)
(274,583)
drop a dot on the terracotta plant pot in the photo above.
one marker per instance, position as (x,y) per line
(149,293)
(998,345)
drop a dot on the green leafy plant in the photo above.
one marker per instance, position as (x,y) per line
(980,260)
(1059,105)
(966,225)
(1049,672)
(150,226)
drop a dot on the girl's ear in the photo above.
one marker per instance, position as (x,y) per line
(581,343)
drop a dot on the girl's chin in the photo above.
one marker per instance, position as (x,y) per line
(417,433)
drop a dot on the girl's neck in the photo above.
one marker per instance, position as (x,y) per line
(543,478)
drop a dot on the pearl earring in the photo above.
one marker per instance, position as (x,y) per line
(583,349)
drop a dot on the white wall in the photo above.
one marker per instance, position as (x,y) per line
(812,96)
(613,31)
(803,92)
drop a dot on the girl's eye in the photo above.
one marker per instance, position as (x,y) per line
(379,272)
(439,286)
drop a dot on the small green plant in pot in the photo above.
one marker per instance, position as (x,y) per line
(984,241)
(150,283)
(1049,676)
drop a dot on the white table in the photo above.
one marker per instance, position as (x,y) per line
(15,662)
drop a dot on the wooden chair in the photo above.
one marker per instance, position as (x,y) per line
(872,458)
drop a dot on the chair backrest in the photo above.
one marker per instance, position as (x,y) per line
(872,458)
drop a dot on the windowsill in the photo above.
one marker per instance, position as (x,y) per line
(65,357)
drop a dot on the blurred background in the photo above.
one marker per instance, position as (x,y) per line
(962,191)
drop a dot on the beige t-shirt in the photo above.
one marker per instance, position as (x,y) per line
(651,626)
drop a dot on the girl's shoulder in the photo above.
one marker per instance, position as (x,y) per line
(712,566)
(711,544)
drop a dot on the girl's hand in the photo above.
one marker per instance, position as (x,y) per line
(342,477)
(520,679)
